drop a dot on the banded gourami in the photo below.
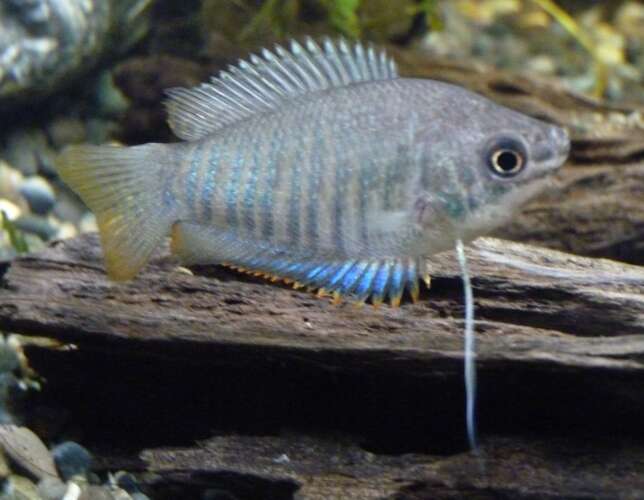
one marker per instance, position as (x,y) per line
(318,165)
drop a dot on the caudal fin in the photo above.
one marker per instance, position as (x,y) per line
(124,189)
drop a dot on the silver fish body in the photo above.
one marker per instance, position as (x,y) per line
(369,171)
(345,188)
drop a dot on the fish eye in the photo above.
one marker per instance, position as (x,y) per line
(506,158)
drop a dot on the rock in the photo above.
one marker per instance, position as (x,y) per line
(109,99)
(52,488)
(68,207)
(88,223)
(66,130)
(21,488)
(34,242)
(43,44)
(66,230)
(128,483)
(7,252)
(9,360)
(46,162)
(27,450)
(96,493)
(10,180)
(11,211)
(37,225)
(39,194)
(5,470)
(119,494)
(71,460)
(22,149)
(9,386)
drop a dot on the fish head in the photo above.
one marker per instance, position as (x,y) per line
(481,163)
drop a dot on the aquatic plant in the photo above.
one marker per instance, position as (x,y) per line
(16,238)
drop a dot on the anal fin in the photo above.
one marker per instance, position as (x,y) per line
(381,280)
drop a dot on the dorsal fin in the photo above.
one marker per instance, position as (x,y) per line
(264,82)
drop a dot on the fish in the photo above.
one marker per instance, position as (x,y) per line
(317,164)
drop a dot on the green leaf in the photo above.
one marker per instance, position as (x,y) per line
(432,13)
(343,16)
(16,238)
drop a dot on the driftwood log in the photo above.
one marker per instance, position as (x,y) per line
(267,392)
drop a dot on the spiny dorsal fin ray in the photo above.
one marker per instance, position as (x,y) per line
(263,82)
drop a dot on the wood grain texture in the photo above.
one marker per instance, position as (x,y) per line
(568,328)
(532,305)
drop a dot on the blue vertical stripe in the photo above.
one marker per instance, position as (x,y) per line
(192,177)
(208,188)
(250,191)
(294,200)
(339,195)
(272,180)
(232,186)
(315,185)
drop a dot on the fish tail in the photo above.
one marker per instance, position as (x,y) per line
(125,188)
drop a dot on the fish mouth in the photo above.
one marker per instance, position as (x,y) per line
(553,151)
(561,139)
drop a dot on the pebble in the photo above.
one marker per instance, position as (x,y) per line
(68,207)
(10,180)
(27,450)
(5,471)
(96,493)
(120,494)
(52,488)
(20,488)
(37,225)
(7,252)
(11,210)
(65,130)
(128,482)
(9,387)
(34,243)
(110,101)
(46,158)
(542,64)
(66,230)
(9,360)
(88,223)
(38,193)
(22,149)
(71,459)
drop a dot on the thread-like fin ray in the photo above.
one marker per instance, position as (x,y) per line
(469,350)
(265,82)
(382,280)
